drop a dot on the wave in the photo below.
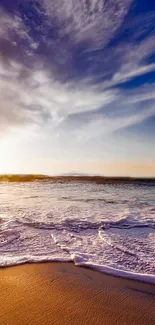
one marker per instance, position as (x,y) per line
(148,278)
(16,178)
(91,200)
(77,225)
(70,244)
(117,247)
(7,237)
(75,178)
(79,260)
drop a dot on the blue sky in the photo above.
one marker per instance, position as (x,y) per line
(77,85)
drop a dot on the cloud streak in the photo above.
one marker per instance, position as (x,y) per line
(66,73)
(40,100)
(94,21)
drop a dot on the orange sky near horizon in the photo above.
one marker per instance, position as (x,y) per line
(56,167)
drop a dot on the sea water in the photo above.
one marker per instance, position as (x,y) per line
(108,227)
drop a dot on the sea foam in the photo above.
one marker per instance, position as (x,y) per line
(106,227)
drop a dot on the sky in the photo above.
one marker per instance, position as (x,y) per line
(77,87)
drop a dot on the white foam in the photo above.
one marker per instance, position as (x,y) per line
(8,237)
(111,229)
(12,261)
(79,260)
(149,278)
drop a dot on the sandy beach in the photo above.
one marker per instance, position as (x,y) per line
(61,293)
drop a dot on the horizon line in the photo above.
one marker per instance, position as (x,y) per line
(76,176)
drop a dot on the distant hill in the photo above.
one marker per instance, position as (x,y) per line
(75,174)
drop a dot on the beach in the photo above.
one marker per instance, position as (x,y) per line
(61,293)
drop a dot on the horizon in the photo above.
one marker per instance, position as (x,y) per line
(77,82)
(77,176)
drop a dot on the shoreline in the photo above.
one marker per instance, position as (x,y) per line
(146,278)
(61,293)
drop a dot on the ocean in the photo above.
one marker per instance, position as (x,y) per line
(107,226)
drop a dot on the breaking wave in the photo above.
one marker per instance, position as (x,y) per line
(77,178)
(76,225)
(110,228)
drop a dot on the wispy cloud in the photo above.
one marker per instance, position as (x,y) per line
(93,21)
(123,76)
(12,26)
(38,99)
(41,86)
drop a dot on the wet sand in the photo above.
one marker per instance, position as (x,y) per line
(61,293)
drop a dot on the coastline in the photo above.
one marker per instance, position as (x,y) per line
(61,293)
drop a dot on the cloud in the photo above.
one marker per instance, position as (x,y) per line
(126,61)
(15,39)
(41,86)
(123,76)
(38,98)
(11,26)
(93,21)
(8,24)
(103,125)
